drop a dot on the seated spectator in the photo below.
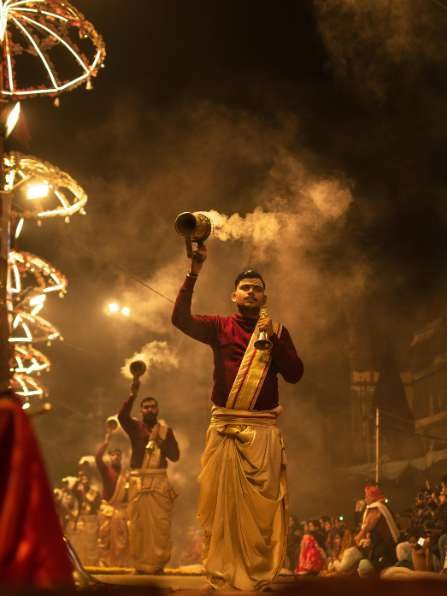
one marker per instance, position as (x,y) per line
(316,530)
(312,558)
(294,536)
(404,555)
(379,533)
(348,557)
(421,557)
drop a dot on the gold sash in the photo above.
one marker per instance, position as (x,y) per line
(251,374)
(119,496)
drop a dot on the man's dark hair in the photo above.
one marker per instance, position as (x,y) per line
(248,274)
(145,399)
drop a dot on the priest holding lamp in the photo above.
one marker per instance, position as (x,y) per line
(243,487)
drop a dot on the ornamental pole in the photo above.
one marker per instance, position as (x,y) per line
(5,223)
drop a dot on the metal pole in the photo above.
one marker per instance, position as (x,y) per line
(5,237)
(378,454)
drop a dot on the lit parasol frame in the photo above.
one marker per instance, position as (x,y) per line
(30,272)
(29,361)
(29,389)
(28,328)
(40,29)
(41,190)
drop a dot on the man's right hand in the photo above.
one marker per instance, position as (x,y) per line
(135,386)
(199,255)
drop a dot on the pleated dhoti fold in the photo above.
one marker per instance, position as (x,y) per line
(150,507)
(243,499)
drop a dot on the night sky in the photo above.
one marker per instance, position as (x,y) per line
(234,106)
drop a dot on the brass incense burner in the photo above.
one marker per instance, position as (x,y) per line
(194,227)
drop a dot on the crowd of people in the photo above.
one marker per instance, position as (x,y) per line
(89,515)
(376,541)
(243,516)
(93,510)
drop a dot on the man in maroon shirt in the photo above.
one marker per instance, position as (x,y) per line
(109,471)
(113,539)
(243,488)
(150,494)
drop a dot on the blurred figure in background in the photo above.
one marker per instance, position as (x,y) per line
(294,537)
(113,538)
(83,531)
(151,496)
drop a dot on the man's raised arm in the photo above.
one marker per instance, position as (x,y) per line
(202,328)
(124,417)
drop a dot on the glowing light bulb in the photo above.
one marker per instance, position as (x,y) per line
(37,190)
(26,406)
(113,307)
(12,119)
(125,311)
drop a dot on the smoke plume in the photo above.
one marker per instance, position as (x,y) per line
(374,44)
(156,355)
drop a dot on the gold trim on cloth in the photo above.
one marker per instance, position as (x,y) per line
(119,496)
(251,374)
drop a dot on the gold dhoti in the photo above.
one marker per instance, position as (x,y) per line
(113,536)
(83,535)
(243,499)
(150,506)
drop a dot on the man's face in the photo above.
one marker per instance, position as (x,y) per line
(149,411)
(249,294)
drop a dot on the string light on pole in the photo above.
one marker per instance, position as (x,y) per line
(41,190)
(28,361)
(28,328)
(53,41)
(29,389)
(30,272)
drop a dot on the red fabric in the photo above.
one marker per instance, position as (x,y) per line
(228,337)
(311,559)
(32,551)
(374,493)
